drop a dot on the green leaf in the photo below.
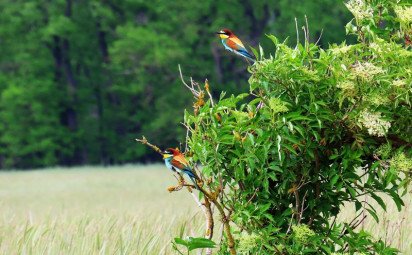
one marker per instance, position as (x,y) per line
(373,214)
(326,249)
(358,205)
(296,116)
(379,200)
(397,199)
(200,242)
(352,191)
(292,139)
(255,52)
(193,243)
(251,139)
(289,148)
(273,38)
(181,242)
(261,52)
(334,180)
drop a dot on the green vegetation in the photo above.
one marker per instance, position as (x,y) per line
(109,210)
(80,79)
(319,128)
(326,125)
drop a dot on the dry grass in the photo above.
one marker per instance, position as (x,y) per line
(394,227)
(92,210)
(117,210)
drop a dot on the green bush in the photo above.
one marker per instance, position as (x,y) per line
(335,126)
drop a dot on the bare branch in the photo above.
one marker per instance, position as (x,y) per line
(307,36)
(302,208)
(186,140)
(208,92)
(145,142)
(320,36)
(192,89)
(297,32)
(290,223)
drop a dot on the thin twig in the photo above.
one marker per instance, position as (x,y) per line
(331,226)
(187,127)
(195,83)
(145,142)
(208,92)
(290,224)
(297,32)
(360,221)
(302,208)
(307,29)
(253,196)
(353,222)
(320,36)
(194,92)
(187,140)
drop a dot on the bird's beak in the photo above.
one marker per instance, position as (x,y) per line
(222,35)
(165,155)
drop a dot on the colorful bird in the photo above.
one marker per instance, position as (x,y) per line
(233,44)
(177,162)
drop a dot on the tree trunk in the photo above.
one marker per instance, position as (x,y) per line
(64,75)
(101,35)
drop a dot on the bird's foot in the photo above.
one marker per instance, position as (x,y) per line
(200,183)
(181,181)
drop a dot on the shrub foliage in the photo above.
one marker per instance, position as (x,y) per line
(319,128)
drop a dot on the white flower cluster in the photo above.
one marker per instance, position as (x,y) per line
(348,87)
(366,70)
(341,50)
(374,123)
(399,83)
(359,9)
(277,105)
(404,14)
(376,47)
(302,233)
(247,242)
(377,99)
(380,46)
(401,162)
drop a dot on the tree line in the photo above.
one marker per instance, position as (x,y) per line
(79,80)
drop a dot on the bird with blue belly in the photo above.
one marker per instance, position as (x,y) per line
(176,161)
(233,44)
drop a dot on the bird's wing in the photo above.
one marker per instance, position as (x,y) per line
(235,43)
(180,162)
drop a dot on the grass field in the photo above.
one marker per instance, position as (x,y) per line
(118,210)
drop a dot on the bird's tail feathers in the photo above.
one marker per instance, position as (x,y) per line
(194,180)
(247,55)
(192,177)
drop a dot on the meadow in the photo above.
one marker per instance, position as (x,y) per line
(120,210)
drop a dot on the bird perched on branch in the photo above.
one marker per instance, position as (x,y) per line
(177,162)
(233,44)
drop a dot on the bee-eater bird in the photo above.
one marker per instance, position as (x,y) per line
(233,44)
(177,162)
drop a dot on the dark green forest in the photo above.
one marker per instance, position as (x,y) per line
(79,80)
